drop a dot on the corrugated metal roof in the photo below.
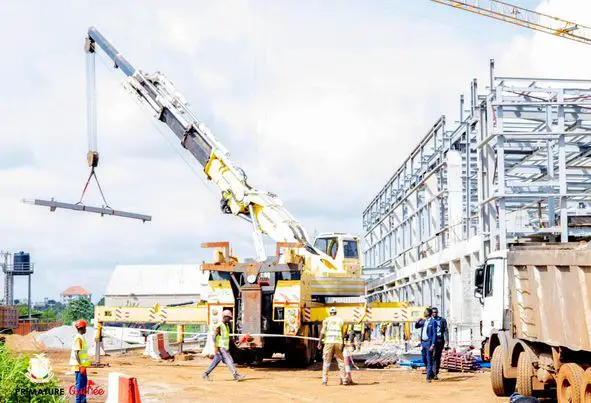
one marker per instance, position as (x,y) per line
(140,280)
(75,290)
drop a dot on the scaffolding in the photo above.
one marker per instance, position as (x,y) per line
(517,166)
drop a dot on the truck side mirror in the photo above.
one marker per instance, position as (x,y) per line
(478,281)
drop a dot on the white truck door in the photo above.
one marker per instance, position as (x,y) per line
(493,295)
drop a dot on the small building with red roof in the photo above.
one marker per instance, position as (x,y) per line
(74,292)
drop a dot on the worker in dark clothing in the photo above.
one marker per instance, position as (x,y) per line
(428,327)
(442,341)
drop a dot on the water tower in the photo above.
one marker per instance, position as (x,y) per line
(16,264)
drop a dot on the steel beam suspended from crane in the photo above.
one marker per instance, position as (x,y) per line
(502,11)
(92,155)
(53,205)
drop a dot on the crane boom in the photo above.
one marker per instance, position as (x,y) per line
(502,11)
(263,209)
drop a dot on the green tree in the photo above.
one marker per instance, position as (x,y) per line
(79,308)
(49,315)
(22,309)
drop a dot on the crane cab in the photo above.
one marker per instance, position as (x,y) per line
(342,249)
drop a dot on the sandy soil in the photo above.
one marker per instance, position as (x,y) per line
(180,381)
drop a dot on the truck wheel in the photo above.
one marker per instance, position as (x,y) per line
(501,386)
(586,389)
(569,382)
(525,374)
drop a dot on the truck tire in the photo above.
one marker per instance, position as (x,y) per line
(569,383)
(586,389)
(501,386)
(525,375)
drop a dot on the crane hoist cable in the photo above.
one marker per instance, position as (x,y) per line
(92,156)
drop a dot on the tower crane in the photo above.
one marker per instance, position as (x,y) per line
(523,17)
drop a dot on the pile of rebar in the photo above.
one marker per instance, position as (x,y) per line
(379,357)
(463,361)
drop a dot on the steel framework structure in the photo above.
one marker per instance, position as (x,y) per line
(517,166)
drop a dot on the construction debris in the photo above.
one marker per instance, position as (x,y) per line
(61,338)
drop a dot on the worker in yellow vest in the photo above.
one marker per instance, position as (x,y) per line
(222,348)
(79,361)
(355,335)
(331,343)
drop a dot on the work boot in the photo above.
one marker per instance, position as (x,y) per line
(324,383)
(239,377)
(205,377)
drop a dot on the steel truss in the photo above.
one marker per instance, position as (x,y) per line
(520,157)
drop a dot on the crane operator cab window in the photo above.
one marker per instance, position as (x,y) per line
(330,246)
(350,249)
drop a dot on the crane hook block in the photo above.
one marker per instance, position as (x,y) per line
(93,158)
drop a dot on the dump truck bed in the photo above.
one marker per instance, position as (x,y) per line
(550,292)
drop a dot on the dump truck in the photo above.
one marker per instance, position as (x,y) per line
(537,318)
(278,302)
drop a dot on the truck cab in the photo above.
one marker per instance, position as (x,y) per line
(492,288)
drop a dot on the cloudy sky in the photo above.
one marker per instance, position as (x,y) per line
(317,101)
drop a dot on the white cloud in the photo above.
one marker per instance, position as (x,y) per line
(318,102)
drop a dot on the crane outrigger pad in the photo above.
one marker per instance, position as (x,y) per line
(53,205)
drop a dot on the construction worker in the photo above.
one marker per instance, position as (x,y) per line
(331,344)
(98,339)
(355,335)
(79,361)
(221,337)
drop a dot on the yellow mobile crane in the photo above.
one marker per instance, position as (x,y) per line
(270,297)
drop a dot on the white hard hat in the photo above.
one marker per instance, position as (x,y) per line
(227,313)
(332,310)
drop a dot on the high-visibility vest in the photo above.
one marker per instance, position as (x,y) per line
(222,340)
(333,330)
(357,327)
(83,353)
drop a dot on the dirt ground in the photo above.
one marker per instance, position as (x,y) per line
(180,381)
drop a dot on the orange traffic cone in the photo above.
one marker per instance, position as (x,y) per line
(123,389)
